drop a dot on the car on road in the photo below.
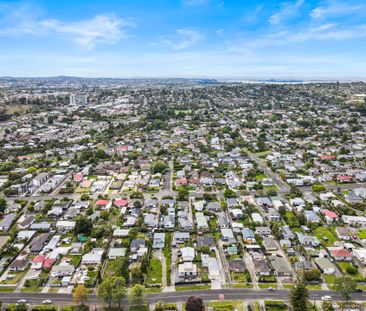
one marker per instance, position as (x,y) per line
(271,289)
(21,301)
(160,258)
(211,277)
(326,298)
(47,302)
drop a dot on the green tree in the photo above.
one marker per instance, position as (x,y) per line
(195,304)
(182,195)
(112,291)
(137,296)
(345,286)
(159,167)
(159,306)
(299,295)
(228,193)
(2,205)
(80,294)
(83,225)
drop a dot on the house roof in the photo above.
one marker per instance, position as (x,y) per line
(329,214)
(102,202)
(341,252)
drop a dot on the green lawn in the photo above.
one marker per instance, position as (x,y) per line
(226,305)
(192,287)
(313,286)
(17,277)
(329,279)
(322,232)
(7,289)
(274,305)
(362,233)
(291,219)
(271,188)
(155,272)
(344,265)
(260,177)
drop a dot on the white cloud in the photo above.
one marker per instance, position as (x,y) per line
(325,32)
(336,9)
(288,9)
(186,39)
(87,33)
(25,20)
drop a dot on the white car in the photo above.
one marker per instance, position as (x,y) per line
(47,302)
(21,301)
(326,298)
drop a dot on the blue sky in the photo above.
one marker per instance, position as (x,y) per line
(184,38)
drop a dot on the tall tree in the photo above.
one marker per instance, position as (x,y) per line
(345,286)
(2,205)
(118,291)
(137,295)
(112,291)
(80,294)
(299,294)
(195,304)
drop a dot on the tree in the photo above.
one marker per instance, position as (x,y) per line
(312,275)
(159,306)
(136,276)
(137,295)
(112,291)
(118,291)
(299,295)
(345,285)
(318,188)
(80,294)
(159,167)
(182,195)
(195,304)
(228,193)
(2,205)
(83,225)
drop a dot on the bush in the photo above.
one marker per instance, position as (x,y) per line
(351,270)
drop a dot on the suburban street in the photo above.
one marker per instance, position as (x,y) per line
(170,297)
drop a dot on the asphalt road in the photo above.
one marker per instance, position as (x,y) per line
(283,187)
(182,296)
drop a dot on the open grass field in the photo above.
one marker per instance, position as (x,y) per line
(226,305)
(155,272)
(325,236)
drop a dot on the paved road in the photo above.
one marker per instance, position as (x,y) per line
(283,187)
(346,186)
(174,297)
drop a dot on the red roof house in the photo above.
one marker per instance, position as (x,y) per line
(102,202)
(78,177)
(120,202)
(341,254)
(329,215)
(344,178)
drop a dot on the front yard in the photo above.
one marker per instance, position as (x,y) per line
(154,273)
(325,236)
